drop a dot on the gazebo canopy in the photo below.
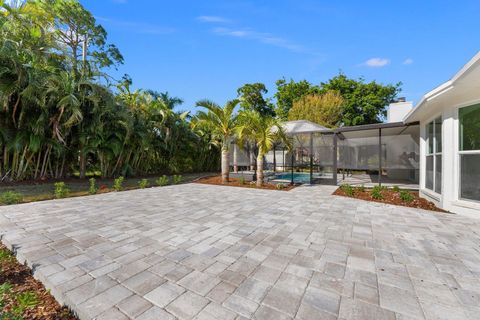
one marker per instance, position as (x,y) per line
(303,126)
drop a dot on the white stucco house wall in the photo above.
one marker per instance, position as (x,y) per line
(449,118)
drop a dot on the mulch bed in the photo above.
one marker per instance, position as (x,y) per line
(392,197)
(235,182)
(20,278)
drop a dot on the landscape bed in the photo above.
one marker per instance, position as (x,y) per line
(33,191)
(23,297)
(236,182)
(393,196)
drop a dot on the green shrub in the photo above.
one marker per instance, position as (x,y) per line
(280,186)
(93,186)
(241,180)
(377,192)
(361,188)
(10,197)
(177,179)
(406,196)
(6,256)
(61,190)
(25,300)
(162,181)
(396,188)
(118,183)
(143,183)
(348,189)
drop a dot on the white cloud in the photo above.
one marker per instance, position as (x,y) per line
(377,62)
(408,61)
(266,38)
(213,19)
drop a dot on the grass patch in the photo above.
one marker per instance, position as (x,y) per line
(10,197)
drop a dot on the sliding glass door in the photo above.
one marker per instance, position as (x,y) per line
(469,153)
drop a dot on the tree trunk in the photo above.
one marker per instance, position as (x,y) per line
(235,158)
(225,166)
(274,159)
(259,170)
(252,160)
(83,164)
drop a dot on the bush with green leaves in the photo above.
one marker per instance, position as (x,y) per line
(377,192)
(61,190)
(396,188)
(177,179)
(406,196)
(118,183)
(22,302)
(93,189)
(280,186)
(361,188)
(348,189)
(241,180)
(143,183)
(10,197)
(162,181)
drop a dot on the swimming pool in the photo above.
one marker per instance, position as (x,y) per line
(298,177)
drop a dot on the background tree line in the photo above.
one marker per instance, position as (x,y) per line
(62,114)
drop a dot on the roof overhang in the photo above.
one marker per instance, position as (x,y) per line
(303,126)
(463,87)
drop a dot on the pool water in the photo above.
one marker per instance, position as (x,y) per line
(298,177)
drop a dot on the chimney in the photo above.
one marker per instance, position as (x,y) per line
(398,110)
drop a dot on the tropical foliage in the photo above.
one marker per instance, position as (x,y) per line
(61,114)
(364,102)
(324,109)
(222,123)
(264,131)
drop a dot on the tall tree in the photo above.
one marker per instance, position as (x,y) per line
(223,123)
(251,97)
(289,92)
(81,39)
(365,103)
(169,101)
(264,131)
(325,109)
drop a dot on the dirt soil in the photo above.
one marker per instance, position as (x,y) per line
(235,182)
(21,279)
(392,197)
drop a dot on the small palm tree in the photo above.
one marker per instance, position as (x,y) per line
(222,122)
(264,131)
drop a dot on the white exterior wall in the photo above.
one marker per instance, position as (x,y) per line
(449,198)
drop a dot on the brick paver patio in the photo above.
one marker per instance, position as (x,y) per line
(208,252)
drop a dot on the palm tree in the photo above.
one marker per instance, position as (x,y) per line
(264,131)
(223,125)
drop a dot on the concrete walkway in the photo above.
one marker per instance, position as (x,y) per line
(208,252)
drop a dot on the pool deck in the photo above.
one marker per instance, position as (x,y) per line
(203,252)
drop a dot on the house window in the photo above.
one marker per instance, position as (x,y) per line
(433,174)
(469,118)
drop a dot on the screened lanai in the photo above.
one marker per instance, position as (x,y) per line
(386,153)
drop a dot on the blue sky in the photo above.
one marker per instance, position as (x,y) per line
(199,49)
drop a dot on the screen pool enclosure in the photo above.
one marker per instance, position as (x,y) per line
(378,153)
